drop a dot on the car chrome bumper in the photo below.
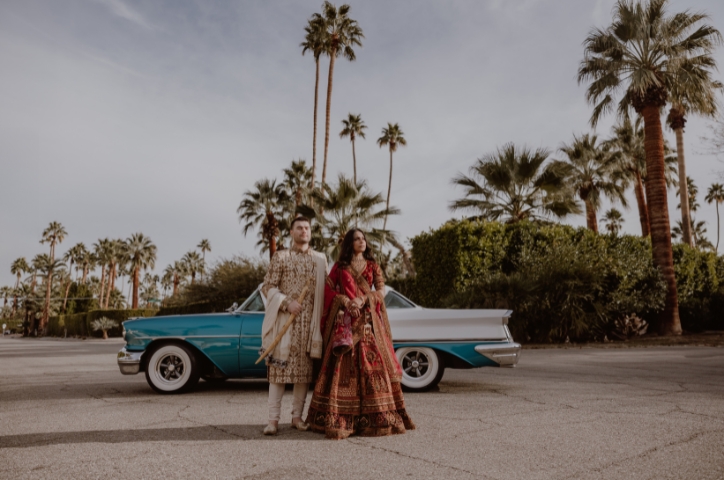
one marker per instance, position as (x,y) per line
(504,355)
(129,362)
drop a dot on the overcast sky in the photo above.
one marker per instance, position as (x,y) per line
(121,116)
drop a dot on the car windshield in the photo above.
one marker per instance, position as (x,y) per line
(255,303)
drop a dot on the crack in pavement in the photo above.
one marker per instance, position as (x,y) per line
(215,427)
(362,443)
(644,453)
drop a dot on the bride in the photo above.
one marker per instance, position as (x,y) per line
(358,388)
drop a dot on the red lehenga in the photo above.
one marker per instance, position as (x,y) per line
(358,392)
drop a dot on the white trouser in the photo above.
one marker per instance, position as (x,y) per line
(276,392)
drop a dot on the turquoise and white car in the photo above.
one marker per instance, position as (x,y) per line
(175,351)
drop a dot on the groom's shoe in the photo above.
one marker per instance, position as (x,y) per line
(301,426)
(270,430)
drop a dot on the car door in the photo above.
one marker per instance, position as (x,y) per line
(252,316)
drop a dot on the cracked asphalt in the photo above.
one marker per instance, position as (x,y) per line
(639,413)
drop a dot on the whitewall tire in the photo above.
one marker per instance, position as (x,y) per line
(422,368)
(172,368)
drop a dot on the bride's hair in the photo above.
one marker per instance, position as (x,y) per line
(347,249)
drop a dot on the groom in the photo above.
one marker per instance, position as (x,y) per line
(291,359)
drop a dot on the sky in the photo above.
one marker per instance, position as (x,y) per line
(123,116)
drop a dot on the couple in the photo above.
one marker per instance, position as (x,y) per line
(342,320)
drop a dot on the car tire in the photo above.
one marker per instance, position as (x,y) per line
(172,368)
(422,368)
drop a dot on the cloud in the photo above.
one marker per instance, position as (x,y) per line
(121,9)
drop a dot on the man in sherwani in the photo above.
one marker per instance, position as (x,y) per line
(291,360)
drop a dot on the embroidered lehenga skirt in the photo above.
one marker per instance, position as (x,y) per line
(354,394)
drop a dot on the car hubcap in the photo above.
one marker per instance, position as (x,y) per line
(415,364)
(170,368)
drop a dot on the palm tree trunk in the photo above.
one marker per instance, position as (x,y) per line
(111,284)
(354,162)
(314,139)
(718,229)
(103,284)
(389,189)
(683,189)
(656,196)
(272,247)
(136,271)
(15,294)
(85,273)
(67,290)
(332,55)
(643,208)
(591,221)
(46,307)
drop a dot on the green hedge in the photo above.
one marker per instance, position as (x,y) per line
(194,308)
(79,324)
(560,281)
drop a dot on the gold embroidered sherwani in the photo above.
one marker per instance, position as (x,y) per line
(288,272)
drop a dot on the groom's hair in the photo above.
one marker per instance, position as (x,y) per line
(300,218)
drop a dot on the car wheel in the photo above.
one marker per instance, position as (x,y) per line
(422,368)
(172,368)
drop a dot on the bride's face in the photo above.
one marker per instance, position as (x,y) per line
(360,244)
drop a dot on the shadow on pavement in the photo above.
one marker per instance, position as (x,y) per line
(191,434)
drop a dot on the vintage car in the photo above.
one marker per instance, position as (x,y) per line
(175,351)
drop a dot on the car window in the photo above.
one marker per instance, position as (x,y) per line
(393,300)
(253,303)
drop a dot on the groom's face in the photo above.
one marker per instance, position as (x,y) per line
(301,233)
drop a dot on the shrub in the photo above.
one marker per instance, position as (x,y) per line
(104,324)
(79,324)
(700,285)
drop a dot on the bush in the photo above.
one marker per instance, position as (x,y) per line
(79,324)
(559,281)
(700,285)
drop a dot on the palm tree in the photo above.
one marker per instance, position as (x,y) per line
(204,246)
(264,208)
(36,264)
(141,253)
(101,251)
(715,195)
(641,54)
(194,264)
(5,292)
(338,208)
(18,268)
(353,127)
(341,33)
(594,172)
(513,184)
(174,272)
(392,136)
(55,233)
(613,220)
(315,41)
(116,256)
(297,181)
(692,204)
(47,269)
(693,91)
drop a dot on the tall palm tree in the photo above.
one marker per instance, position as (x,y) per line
(116,255)
(47,269)
(141,253)
(18,268)
(175,272)
(338,208)
(715,195)
(693,91)
(204,246)
(37,264)
(692,203)
(264,208)
(315,41)
(640,55)
(393,136)
(101,254)
(594,173)
(613,221)
(341,34)
(353,127)
(514,184)
(194,264)
(5,292)
(54,234)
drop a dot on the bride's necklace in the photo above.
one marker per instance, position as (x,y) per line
(359,263)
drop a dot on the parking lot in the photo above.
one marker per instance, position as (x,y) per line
(643,413)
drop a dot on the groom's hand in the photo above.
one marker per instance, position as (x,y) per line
(294,307)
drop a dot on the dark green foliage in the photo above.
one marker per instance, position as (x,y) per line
(559,281)
(229,281)
(80,299)
(79,324)
(700,284)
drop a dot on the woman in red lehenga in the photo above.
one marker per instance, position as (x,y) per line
(358,388)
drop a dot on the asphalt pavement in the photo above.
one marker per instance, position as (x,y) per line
(639,413)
